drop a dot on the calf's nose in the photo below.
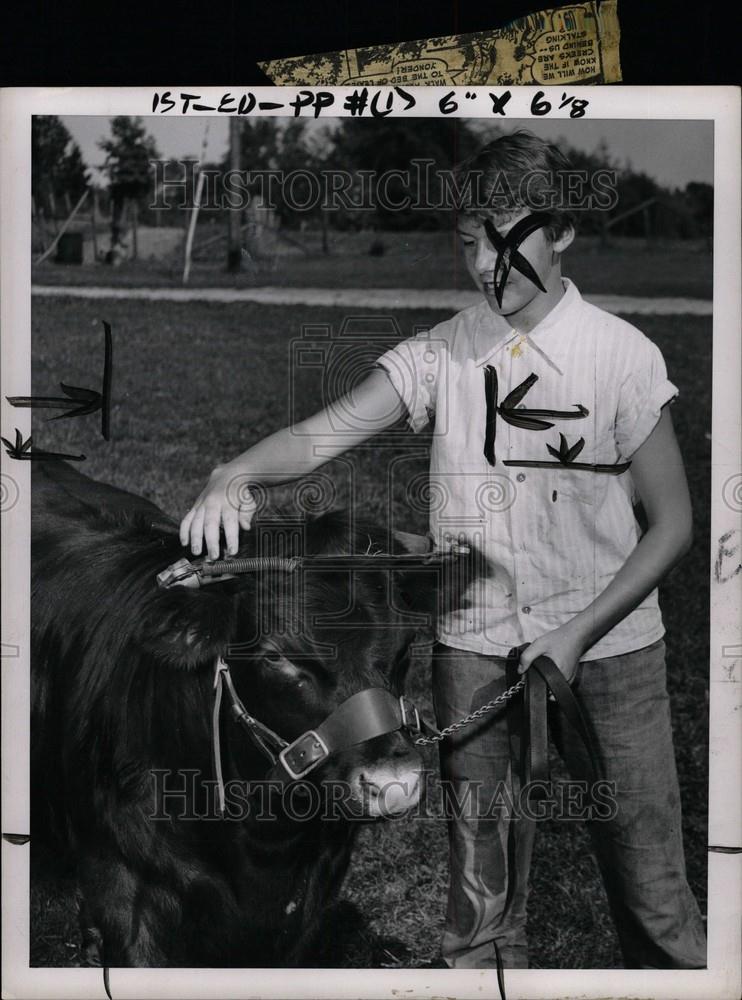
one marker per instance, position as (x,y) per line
(389,794)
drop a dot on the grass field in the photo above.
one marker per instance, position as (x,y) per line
(193,385)
(411,260)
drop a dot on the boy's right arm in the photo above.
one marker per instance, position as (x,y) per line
(284,456)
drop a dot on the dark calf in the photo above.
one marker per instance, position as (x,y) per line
(122,731)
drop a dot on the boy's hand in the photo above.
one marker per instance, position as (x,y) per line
(565,646)
(223,503)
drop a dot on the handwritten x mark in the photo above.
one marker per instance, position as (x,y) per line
(508,255)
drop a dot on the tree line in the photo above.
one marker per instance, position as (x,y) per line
(644,207)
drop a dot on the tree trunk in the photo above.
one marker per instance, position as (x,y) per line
(234,216)
(94,225)
(53,209)
(117,214)
(134,228)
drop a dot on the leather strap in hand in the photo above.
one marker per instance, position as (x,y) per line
(528,730)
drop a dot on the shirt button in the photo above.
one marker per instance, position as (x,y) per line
(521,477)
(526,610)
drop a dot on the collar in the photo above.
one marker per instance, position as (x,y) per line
(551,338)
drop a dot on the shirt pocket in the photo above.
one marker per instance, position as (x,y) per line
(578,485)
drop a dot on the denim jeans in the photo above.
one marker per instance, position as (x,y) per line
(639,850)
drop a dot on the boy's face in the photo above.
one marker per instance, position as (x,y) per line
(520,291)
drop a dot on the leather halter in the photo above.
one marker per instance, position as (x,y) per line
(361,717)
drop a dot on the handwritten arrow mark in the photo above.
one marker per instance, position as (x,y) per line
(78,401)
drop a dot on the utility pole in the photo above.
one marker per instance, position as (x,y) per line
(234,250)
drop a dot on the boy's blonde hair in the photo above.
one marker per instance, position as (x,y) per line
(515,172)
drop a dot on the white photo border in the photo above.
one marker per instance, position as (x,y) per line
(722,978)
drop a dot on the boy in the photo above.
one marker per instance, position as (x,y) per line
(550,414)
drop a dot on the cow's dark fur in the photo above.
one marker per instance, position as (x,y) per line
(123,685)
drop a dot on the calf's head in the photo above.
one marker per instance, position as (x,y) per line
(309,641)
(301,644)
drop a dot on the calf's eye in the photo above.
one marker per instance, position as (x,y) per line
(285,668)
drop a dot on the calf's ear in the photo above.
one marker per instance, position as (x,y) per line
(188,629)
(416,544)
(417,587)
(437,589)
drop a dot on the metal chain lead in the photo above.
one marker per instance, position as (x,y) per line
(501,699)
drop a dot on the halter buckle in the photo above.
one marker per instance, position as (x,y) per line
(293,752)
(406,706)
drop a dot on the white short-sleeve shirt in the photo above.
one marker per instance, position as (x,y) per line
(551,510)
